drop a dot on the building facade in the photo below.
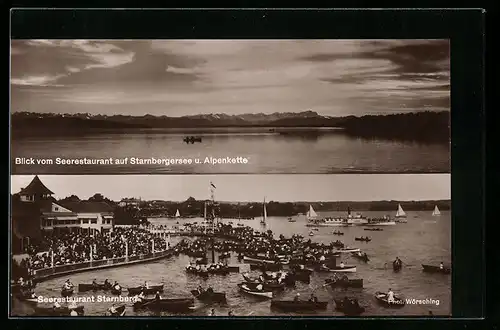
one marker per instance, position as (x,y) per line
(34,212)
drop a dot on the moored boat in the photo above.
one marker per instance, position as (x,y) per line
(435,269)
(337,269)
(348,250)
(209,297)
(349,309)
(174,304)
(293,305)
(57,311)
(373,229)
(252,290)
(339,233)
(382,299)
(266,267)
(344,282)
(151,289)
(361,256)
(363,239)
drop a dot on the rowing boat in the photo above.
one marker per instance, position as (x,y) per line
(249,288)
(152,289)
(209,297)
(292,305)
(382,299)
(350,310)
(337,269)
(271,285)
(435,269)
(343,283)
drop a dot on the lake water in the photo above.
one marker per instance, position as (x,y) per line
(267,152)
(424,239)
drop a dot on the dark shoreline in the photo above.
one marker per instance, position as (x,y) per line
(424,127)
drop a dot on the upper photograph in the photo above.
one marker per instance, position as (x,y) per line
(230,106)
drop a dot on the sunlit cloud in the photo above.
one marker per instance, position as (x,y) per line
(182,77)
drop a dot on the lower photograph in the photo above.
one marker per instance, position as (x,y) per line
(230,245)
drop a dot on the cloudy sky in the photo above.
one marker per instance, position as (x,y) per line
(184,77)
(285,188)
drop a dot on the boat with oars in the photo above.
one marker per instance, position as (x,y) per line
(382,299)
(209,296)
(255,289)
(436,269)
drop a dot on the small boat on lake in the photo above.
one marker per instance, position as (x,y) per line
(363,239)
(373,229)
(192,139)
(350,308)
(435,269)
(290,219)
(348,250)
(251,289)
(339,233)
(400,213)
(299,305)
(381,297)
(361,256)
(337,269)
(174,304)
(344,282)
(436,212)
(210,296)
(151,289)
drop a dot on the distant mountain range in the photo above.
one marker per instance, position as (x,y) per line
(298,119)
(423,126)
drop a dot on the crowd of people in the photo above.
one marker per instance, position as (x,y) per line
(72,248)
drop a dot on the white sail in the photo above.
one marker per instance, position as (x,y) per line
(177,214)
(311,214)
(264,213)
(400,213)
(436,211)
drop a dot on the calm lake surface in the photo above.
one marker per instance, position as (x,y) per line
(266,151)
(424,239)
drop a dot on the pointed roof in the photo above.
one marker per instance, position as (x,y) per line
(36,187)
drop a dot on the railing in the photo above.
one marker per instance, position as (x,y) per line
(41,274)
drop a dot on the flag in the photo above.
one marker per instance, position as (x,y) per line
(213,185)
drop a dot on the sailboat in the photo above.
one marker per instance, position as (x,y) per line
(311,214)
(264,214)
(177,214)
(436,212)
(400,214)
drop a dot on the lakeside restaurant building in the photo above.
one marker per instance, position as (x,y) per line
(34,211)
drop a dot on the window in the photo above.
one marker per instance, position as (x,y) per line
(93,221)
(56,209)
(85,220)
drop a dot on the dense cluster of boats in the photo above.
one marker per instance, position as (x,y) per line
(281,262)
